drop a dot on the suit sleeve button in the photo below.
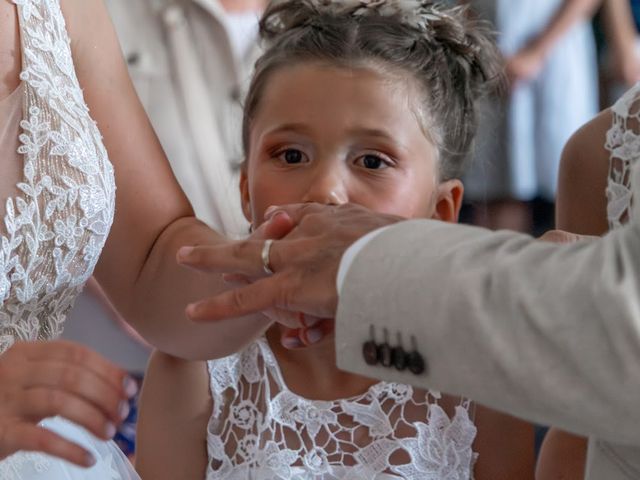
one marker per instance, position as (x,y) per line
(399,358)
(416,363)
(370,353)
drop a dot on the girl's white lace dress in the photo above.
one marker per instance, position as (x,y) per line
(56,218)
(259,429)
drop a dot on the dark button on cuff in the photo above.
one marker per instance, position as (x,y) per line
(399,358)
(415,363)
(370,353)
(384,355)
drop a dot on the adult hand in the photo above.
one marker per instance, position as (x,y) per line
(45,379)
(305,263)
(524,65)
(560,236)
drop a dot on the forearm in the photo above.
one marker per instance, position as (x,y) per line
(518,325)
(619,27)
(568,14)
(163,289)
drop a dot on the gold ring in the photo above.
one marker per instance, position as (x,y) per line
(266,252)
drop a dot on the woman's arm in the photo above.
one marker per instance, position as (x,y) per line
(505,445)
(528,61)
(153,218)
(175,406)
(622,39)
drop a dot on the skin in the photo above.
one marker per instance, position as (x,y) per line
(325,136)
(137,269)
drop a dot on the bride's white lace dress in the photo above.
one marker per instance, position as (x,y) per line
(56,219)
(261,430)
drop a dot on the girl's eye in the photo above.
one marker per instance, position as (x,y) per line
(291,156)
(372,162)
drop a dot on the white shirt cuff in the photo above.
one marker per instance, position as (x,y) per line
(352,252)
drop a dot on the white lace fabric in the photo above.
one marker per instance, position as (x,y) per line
(261,430)
(623,143)
(55,228)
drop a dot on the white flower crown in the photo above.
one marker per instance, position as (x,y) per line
(418,14)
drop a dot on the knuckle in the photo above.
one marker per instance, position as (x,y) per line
(78,354)
(70,378)
(238,249)
(54,400)
(43,442)
(238,299)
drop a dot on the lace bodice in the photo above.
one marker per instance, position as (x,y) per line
(56,225)
(260,429)
(623,142)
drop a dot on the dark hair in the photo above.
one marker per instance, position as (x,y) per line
(451,56)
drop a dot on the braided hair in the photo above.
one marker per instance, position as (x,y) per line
(452,58)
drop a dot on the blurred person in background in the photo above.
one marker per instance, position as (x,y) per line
(550,62)
(176,50)
(618,34)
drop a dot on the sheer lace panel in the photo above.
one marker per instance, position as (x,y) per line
(623,142)
(10,159)
(56,225)
(259,429)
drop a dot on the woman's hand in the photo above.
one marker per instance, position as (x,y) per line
(45,379)
(525,65)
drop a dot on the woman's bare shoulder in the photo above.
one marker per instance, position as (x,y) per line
(581,203)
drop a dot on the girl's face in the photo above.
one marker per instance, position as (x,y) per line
(332,136)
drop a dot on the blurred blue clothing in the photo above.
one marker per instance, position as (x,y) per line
(521,137)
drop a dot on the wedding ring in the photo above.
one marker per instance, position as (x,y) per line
(266,252)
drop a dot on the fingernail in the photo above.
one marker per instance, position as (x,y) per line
(192,309)
(110,430)
(130,386)
(89,460)
(314,335)
(184,252)
(291,343)
(270,211)
(123,410)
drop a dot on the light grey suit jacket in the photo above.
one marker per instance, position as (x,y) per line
(546,332)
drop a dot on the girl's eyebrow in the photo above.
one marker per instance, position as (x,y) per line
(288,127)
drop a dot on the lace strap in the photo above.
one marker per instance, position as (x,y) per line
(623,143)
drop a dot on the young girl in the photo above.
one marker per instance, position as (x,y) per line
(363,102)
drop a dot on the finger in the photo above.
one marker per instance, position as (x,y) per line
(244,257)
(298,338)
(81,383)
(311,336)
(78,355)
(296,212)
(259,296)
(276,227)
(41,402)
(25,437)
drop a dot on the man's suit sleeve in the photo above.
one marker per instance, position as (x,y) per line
(542,331)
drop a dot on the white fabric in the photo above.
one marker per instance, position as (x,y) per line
(351,253)
(545,332)
(242,28)
(260,429)
(111,464)
(56,226)
(182,63)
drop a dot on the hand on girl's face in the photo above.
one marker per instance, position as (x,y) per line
(46,379)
